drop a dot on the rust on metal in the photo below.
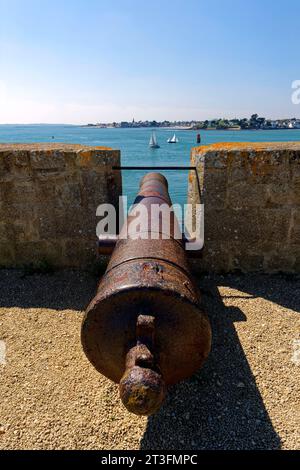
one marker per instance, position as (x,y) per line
(145,329)
(142,389)
(107,244)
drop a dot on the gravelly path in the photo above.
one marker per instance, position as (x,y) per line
(246,397)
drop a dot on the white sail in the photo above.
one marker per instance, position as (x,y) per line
(174,140)
(153,141)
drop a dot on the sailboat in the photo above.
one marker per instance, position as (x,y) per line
(173,140)
(153,142)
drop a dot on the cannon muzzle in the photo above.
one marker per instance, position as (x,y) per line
(145,329)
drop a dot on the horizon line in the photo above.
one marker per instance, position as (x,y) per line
(130,121)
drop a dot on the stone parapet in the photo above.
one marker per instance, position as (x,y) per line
(251,193)
(48,199)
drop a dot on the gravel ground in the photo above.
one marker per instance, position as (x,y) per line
(246,396)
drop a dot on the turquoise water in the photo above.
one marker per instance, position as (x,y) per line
(133,144)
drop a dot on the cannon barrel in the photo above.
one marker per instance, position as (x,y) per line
(145,329)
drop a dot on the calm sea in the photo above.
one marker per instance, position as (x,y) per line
(133,144)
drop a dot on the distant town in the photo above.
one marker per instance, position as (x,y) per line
(253,123)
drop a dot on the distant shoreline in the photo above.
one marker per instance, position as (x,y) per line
(253,123)
(179,128)
(157,128)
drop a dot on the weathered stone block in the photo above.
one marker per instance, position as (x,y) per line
(278,259)
(72,222)
(241,194)
(7,254)
(68,194)
(25,230)
(258,229)
(296,250)
(237,175)
(294,193)
(245,257)
(39,251)
(18,211)
(278,195)
(4,232)
(47,160)
(79,255)
(93,183)
(294,165)
(274,224)
(48,199)
(214,188)
(215,258)
(232,225)
(294,230)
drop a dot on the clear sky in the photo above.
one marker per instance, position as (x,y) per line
(78,61)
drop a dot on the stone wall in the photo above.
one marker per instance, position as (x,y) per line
(251,194)
(49,194)
(48,199)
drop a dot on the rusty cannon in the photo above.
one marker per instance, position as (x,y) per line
(145,328)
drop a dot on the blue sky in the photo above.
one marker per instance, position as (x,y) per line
(79,61)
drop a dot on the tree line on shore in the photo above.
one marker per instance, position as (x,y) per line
(254,122)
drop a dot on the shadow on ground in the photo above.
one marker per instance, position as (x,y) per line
(62,290)
(221,406)
(282,289)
